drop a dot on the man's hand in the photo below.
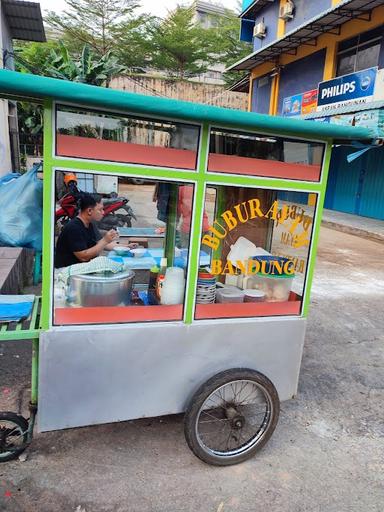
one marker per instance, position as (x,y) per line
(111,236)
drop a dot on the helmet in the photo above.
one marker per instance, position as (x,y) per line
(70,177)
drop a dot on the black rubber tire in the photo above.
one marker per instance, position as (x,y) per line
(21,422)
(191,415)
(125,220)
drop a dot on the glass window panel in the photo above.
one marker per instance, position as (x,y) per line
(363,55)
(260,155)
(121,138)
(346,63)
(109,256)
(368,57)
(259,246)
(348,43)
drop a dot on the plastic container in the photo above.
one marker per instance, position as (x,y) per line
(173,286)
(120,250)
(153,273)
(161,277)
(241,250)
(254,296)
(229,294)
(276,287)
(139,252)
(273,264)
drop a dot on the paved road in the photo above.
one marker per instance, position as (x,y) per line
(326,455)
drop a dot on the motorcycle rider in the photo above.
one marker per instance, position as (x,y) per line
(80,241)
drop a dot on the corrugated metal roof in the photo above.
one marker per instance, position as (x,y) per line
(24,20)
(256,6)
(13,84)
(307,33)
(242,85)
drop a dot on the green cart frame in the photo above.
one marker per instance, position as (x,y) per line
(199,382)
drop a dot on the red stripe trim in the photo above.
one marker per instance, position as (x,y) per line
(112,151)
(256,167)
(247,310)
(115,315)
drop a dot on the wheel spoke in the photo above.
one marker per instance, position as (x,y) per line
(10,438)
(233,391)
(248,415)
(210,399)
(228,440)
(210,415)
(219,437)
(242,387)
(215,420)
(247,397)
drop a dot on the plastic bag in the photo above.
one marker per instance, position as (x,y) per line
(9,177)
(21,211)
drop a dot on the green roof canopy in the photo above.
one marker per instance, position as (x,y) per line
(14,84)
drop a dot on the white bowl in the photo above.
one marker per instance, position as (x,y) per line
(121,250)
(139,252)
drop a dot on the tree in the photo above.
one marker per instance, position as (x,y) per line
(229,48)
(133,42)
(181,47)
(30,121)
(33,57)
(54,60)
(92,22)
(58,63)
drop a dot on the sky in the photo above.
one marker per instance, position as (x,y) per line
(156,7)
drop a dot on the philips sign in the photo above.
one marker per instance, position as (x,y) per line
(354,88)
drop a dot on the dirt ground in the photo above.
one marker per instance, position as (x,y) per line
(326,454)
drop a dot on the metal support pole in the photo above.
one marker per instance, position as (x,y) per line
(35,371)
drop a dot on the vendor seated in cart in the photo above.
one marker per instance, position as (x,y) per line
(80,241)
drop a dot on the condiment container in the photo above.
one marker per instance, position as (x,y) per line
(153,274)
(173,286)
(229,294)
(276,287)
(254,296)
(161,277)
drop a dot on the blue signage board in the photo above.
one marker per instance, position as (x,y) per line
(355,88)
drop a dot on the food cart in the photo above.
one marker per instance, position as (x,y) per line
(236,200)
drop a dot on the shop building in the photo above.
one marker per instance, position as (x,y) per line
(18,20)
(206,15)
(323,60)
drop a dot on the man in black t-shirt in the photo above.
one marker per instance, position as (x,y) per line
(80,240)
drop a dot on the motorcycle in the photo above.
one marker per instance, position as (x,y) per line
(117,211)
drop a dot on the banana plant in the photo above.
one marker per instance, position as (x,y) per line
(88,68)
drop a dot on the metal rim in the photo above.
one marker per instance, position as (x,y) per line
(234,418)
(11,438)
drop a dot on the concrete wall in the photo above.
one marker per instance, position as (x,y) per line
(5,151)
(261,94)
(183,90)
(306,10)
(301,76)
(270,16)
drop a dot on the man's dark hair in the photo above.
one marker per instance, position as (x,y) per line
(87,200)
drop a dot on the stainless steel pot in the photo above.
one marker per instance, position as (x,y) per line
(100,289)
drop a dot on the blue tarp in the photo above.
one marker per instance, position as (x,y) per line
(14,308)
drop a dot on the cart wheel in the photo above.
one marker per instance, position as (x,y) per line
(13,435)
(231,416)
